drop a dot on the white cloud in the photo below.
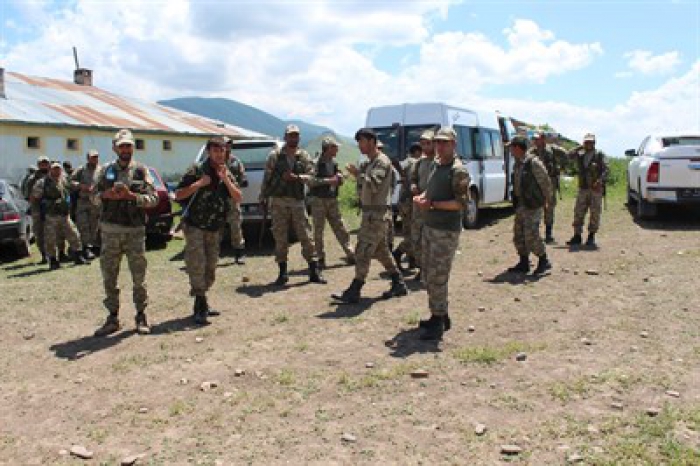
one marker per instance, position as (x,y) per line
(645,62)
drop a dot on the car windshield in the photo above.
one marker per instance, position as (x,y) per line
(681,141)
(253,153)
(156,179)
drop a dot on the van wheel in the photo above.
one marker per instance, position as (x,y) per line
(470,216)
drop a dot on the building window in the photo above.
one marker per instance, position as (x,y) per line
(33,142)
(72,144)
(167,145)
(140,144)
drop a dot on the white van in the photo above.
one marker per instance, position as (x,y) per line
(480,144)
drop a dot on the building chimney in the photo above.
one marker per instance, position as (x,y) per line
(2,84)
(82,77)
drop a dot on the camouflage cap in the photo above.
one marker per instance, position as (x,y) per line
(589,137)
(93,153)
(517,141)
(428,135)
(56,165)
(123,136)
(445,134)
(42,159)
(291,129)
(329,141)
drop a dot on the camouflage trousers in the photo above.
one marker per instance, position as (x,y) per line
(372,244)
(59,226)
(417,235)
(87,220)
(235,223)
(439,247)
(117,242)
(585,200)
(552,205)
(323,209)
(286,212)
(406,211)
(390,232)
(38,229)
(201,257)
(526,232)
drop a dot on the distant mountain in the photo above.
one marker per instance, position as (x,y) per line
(245,116)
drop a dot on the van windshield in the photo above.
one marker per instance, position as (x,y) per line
(412,134)
(391,138)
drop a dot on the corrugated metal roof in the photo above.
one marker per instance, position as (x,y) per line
(54,102)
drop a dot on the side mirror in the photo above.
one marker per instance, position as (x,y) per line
(631,153)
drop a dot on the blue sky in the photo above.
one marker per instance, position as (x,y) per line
(621,69)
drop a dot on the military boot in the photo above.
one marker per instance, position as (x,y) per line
(543,265)
(590,241)
(239,256)
(434,328)
(548,238)
(200,310)
(87,254)
(412,264)
(63,257)
(283,276)
(44,258)
(398,254)
(575,240)
(315,275)
(54,264)
(142,327)
(78,258)
(322,264)
(110,326)
(419,275)
(521,267)
(398,287)
(352,294)
(447,323)
(350,257)
(211,312)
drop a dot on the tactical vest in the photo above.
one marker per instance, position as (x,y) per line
(531,195)
(589,175)
(277,186)
(123,212)
(440,187)
(32,182)
(56,197)
(207,207)
(235,166)
(548,159)
(325,170)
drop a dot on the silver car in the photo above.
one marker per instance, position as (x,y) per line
(15,221)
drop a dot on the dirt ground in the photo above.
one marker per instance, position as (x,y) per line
(611,375)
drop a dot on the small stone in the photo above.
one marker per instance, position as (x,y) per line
(480,273)
(471,329)
(593,430)
(644,334)
(143,410)
(63,452)
(634,349)
(520,357)
(188,360)
(199,339)
(592,272)
(574,458)
(239,372)
(184,381)
(566,270)
(245,279)
(348,438)
(481,309)
(673,393)
(617,405)
(480,429)
(28,336)
(511,449)
(369,365)
(133,459)
(646,279)
(81,452)
(516,299)
(623,252)
(492,385)
(228,394)
(575,272)
(586,341)
(419,374)
(612,272)
(206,386)
(653,411)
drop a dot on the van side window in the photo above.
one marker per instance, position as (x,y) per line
(465,143)
(486,149)
(496,143)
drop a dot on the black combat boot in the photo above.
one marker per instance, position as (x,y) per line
(110,326)
(590,241)
(315,273)
(283,277)
(447,323)
(419,275)
(142,327)
(87,254)
(398,254)
(434,328)
(521,267)
(322,264)
(542,266)
(63,257)
(352,294)
(575,240)
(548,238)
(412,264)
(44,258)
(78,258)
(200,311)
(54,264)
(398,287)
(210,312)
(239,256)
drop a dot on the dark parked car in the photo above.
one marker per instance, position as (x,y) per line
(160,217)
(15,222)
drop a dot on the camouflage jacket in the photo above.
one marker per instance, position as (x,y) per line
(552,157)
(54,195)
(531,183)
(278,164)
(137,178)
(206,209)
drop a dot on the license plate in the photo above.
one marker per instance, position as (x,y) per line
(689,193)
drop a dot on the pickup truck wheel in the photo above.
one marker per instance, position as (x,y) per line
(470,216)
(645,210)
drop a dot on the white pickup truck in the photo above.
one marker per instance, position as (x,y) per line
(664,170)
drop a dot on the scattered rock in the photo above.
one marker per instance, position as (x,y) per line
(419,374)
(586,341)
(644,334)
(623,252)
(188,360)
(612,272)
(245,279)
(592,272)
(206,386)
(184,381)
(228,394)
(28,336)
(574,458)
(634,349)
(492,385)
(646,279)
(520,357)
(566,270)
(653,411)
(617,405)
(511,449)
(63,452)
(133,459)
(239,372)
(348,438)
(143,410)
(673,393)
(369,365)
(480,273)
(480,429)
(199,339)
(471,329)
(593,430)
(81,452)
(516,299)
(481,309)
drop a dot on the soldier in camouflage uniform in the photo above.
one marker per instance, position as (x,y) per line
(325,185)
(442,203)
(592,176)
(207,188)
(376,181)
(87,213)
(234,216)
(53,193)
(406,209)
(419,181)
(286,171)
(125,189)
(532,190)
(553,157)
(43,166)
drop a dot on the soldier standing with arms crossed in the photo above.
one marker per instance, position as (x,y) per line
(592,176)
(445,197)
(286,171)
(325,184)
(126,189)
(532,190)
(87,213)
(552,157)
(234,217)
(211,189)
(375,198)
